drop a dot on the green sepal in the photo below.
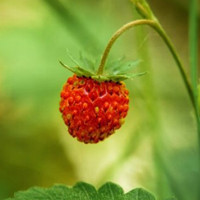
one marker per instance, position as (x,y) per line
(144,9)
(88,62)
(116,78)
(122,77)
(78,70)
(100,78)
(72,69)
(123,67)
(117,70)
(84,71)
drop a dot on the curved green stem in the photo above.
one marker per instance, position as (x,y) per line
(190,91)
(157,27)
(169,44)
(116,35)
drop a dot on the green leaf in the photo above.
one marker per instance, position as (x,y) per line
(82,191)
(56,192)
(139,194)
(111,191)
(86,191)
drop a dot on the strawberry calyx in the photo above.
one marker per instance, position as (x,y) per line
(116,71)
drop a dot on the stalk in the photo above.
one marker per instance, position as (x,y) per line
(116,36)
(157,27)
(154,23)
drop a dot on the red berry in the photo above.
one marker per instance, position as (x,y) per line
(93,110)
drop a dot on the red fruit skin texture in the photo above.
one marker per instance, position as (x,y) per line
(93,110)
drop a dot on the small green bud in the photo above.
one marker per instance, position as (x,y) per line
(143,9)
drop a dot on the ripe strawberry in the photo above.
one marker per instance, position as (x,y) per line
(93,103)
(93,110)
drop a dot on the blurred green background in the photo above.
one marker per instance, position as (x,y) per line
(157,146)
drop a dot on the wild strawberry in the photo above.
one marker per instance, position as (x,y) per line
(93,110)
(94,104)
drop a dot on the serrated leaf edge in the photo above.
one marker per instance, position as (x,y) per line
(76,186)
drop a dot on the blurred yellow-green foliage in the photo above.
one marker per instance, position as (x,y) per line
(157,146)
